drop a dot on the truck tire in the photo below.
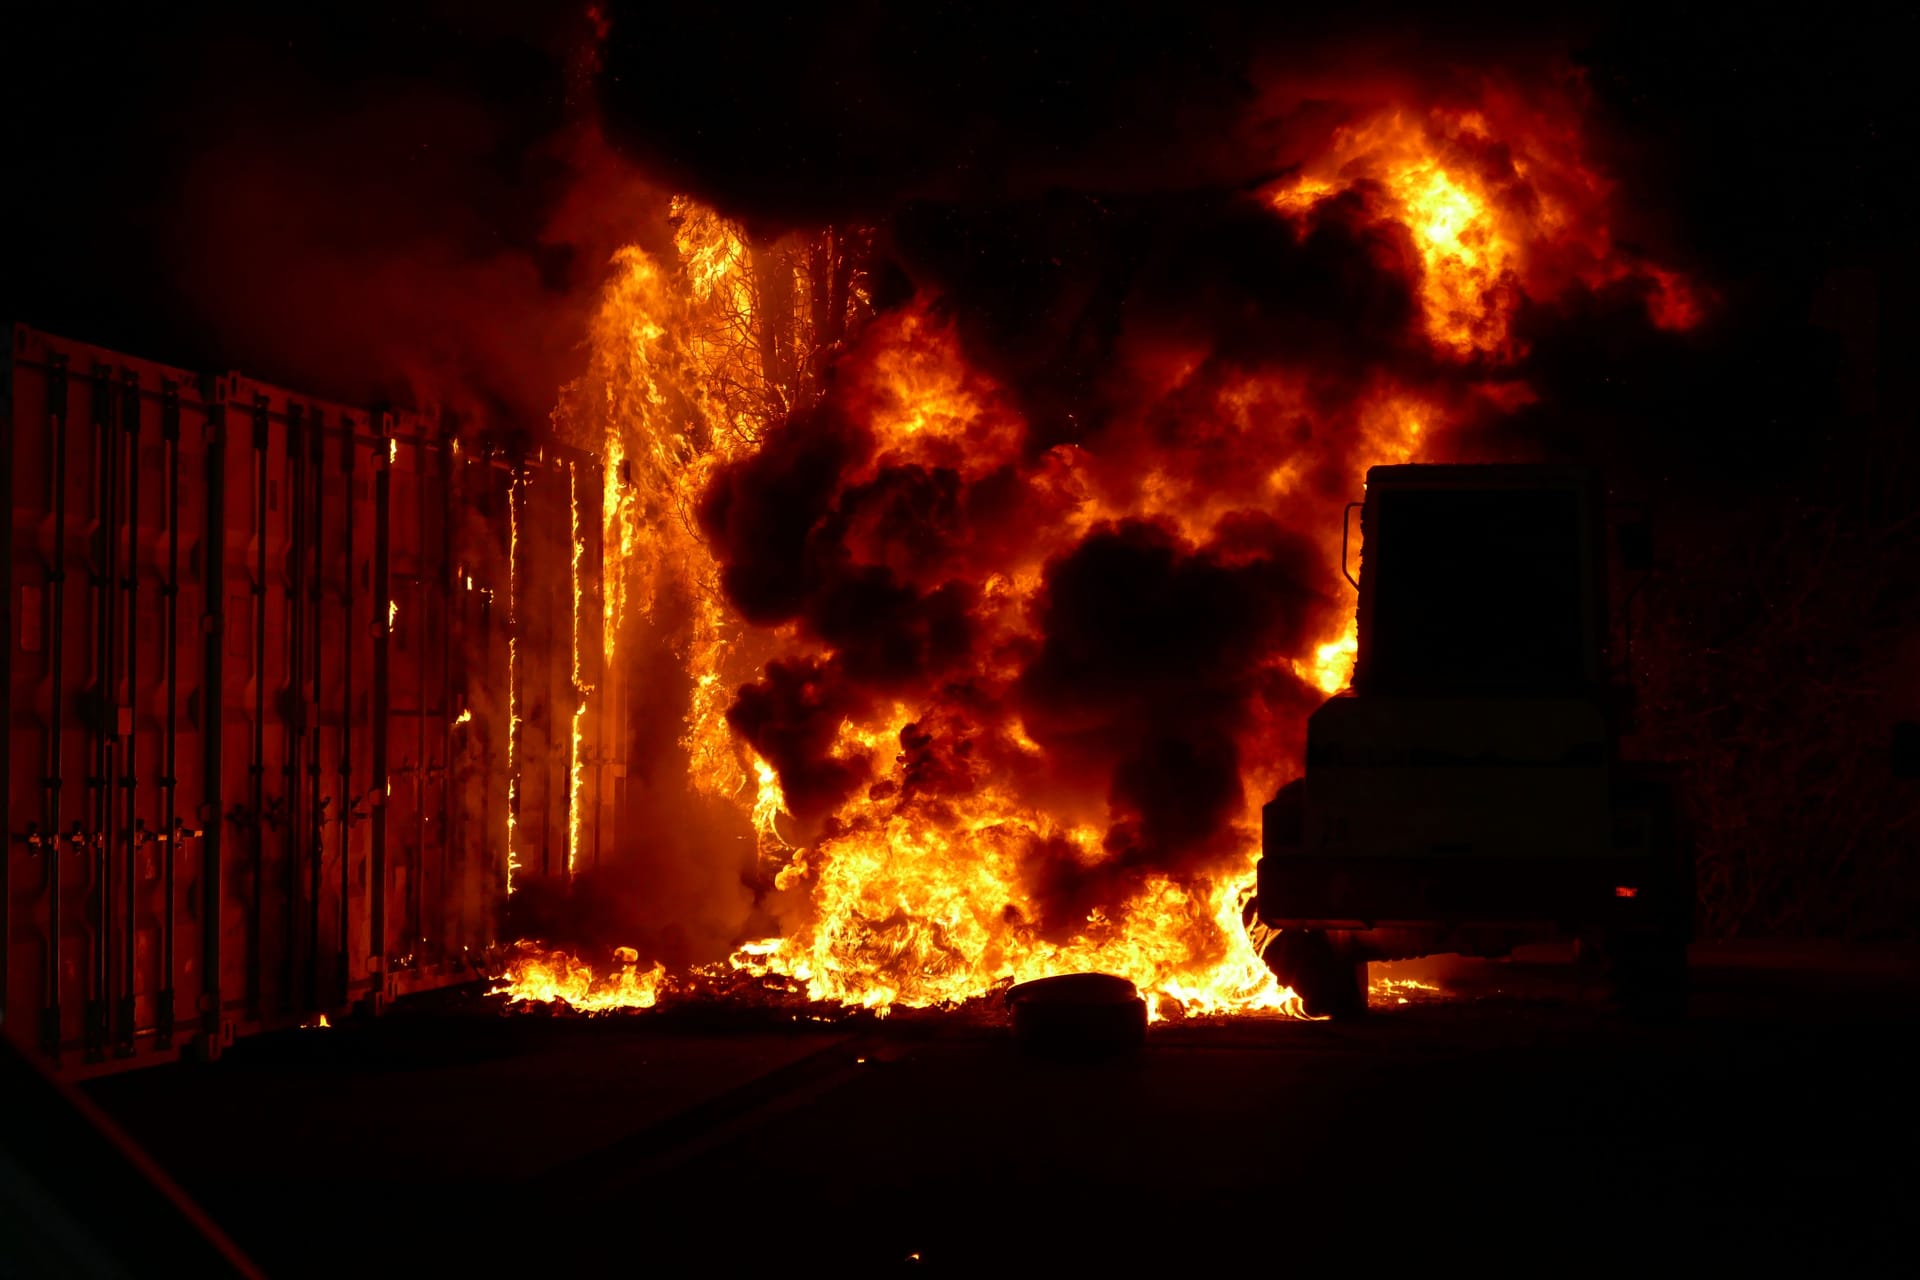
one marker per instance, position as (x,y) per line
(1326,977)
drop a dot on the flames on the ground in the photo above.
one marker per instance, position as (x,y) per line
(931,821)
(541,976)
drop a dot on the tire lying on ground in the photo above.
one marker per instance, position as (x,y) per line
(1078,1015)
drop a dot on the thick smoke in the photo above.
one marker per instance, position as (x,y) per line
(1080,215)
(1150,664)
(413,201)
(1156,659)
(1076,198)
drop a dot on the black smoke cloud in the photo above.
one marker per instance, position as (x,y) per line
(1048,293)
(1072,225)
(779,521)
(826,113)
(407,199)
(1154,657)
(998,150)
(1075,189)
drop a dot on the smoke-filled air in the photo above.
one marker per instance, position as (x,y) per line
(985,564)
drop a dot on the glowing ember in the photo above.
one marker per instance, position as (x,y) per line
(1400,990)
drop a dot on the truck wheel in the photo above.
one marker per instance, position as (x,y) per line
(1328,980)
(1647,975)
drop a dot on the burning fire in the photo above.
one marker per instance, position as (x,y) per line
(1500,207)
(513,678)
(544,976)
(581,688)
(1399,990)
(921,858)
(1331,666)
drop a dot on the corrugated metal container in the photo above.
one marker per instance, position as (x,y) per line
(265,658)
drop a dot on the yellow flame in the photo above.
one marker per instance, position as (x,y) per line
(465,716)
(1386,990)
(908,906)
(536,975)
(769,803)
(1331,667)
(513,676)
(911,914)
(580,686)
(573,792)
(923,899)
(913,903)
(1469,255)
(672,349)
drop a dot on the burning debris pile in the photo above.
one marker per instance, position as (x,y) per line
(995,555)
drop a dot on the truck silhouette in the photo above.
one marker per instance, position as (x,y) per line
(1469,791)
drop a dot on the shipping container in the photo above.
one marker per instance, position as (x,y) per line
(293,689)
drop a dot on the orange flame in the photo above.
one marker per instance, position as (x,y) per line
(1499,205)
(580,687)
(917,902)
(513,677)
(538,976)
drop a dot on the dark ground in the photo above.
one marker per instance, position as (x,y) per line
(1513,1122)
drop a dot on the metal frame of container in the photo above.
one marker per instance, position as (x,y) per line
(258,763)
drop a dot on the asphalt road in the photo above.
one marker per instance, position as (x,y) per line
(1511,1123)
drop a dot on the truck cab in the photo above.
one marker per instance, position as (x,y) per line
(1468,793)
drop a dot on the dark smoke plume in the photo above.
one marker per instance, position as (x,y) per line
(1074,191)
(412,201)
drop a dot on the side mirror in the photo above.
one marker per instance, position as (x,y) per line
(1634,539)
(1906,749)
(1346,533)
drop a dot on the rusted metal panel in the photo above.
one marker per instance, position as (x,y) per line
(257,712)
